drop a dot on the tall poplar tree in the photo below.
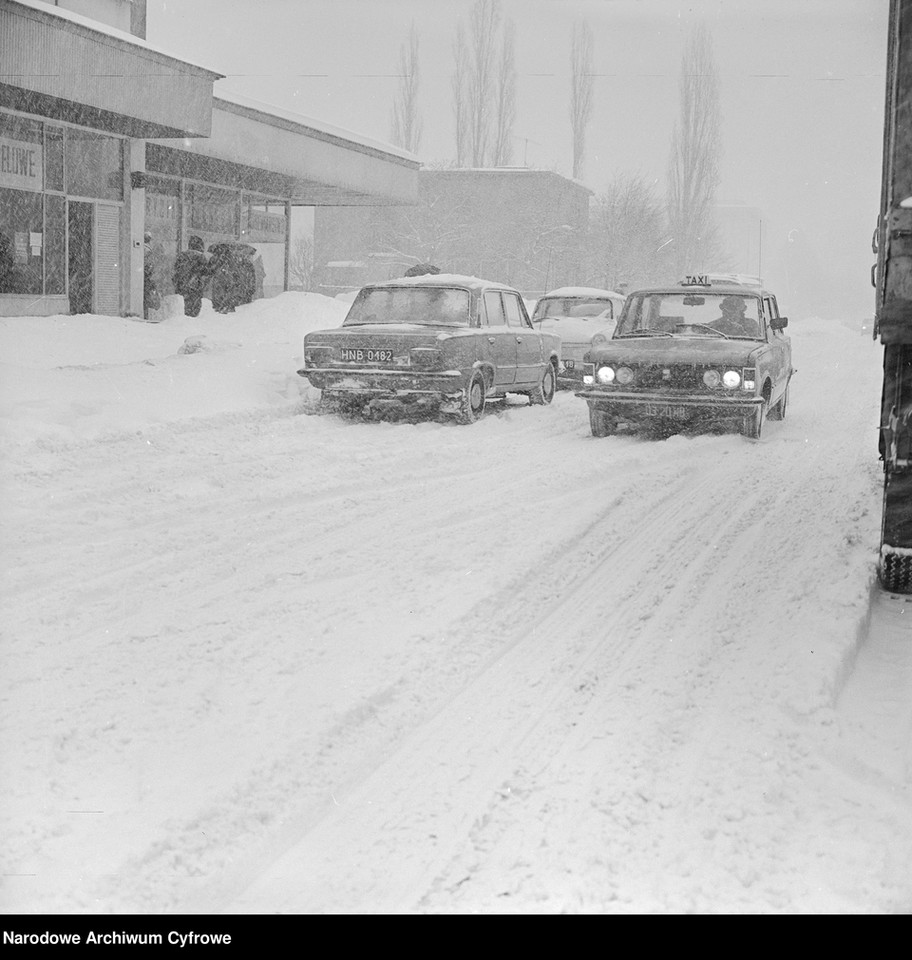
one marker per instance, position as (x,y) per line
(696,148)
(406,125)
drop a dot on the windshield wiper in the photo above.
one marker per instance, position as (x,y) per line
(644,333)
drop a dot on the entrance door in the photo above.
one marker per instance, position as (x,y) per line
(80,223)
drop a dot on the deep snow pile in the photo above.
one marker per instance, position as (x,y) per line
(255,660)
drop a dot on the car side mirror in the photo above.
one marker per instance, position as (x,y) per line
(780,323)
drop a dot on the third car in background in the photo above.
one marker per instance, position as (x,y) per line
(582,317)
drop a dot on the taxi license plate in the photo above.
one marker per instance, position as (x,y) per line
(666,410)
(366,355)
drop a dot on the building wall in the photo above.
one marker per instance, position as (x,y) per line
(522,227)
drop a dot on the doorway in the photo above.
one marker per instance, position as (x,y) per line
(80,255)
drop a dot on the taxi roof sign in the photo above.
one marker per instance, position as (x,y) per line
(709,279)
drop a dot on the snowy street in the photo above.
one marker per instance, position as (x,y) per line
(259,660)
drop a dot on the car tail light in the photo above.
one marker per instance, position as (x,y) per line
(424,357)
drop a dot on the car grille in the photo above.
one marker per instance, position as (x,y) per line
(676,376)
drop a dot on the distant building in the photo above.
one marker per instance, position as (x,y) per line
(740,233)
(517,225)
(103,136)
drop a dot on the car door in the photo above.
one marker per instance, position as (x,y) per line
(777,347)
(528,340)
(498,340)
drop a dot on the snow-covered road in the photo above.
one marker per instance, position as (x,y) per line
(264,661)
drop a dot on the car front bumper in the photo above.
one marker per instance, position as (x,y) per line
(666,406)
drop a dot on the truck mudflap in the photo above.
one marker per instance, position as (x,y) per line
(896,450)
(896,541)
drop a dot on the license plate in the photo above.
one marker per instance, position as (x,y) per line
(666,410)
(366,355)
(569,364)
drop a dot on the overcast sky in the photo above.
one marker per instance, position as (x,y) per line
(801,89)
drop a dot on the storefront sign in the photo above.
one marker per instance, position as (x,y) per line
(264,227)
(21,164)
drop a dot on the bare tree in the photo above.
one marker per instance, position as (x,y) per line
(485,19)
(505,112)
(460,89)
(627,234)
(580,91)
(301,263)
(406,126)
(484,87)
(696,146)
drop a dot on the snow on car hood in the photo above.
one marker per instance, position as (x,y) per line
(677,350)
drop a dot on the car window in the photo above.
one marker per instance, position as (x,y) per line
(421,305)
(494,308)
(572,307)
(691,314)
(512,310)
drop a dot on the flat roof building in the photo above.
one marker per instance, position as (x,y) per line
(104,137)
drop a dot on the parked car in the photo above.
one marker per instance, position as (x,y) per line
(582,317)
(701,356)
(440,341)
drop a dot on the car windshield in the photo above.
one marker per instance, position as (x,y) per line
(427,305)
(571,307)
(688,315)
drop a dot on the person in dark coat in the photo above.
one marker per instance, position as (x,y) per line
(192,271)
(233,276)
(151,297)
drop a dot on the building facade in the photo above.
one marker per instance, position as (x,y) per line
(104,137)
(516,225)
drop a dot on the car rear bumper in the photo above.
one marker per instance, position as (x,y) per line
(370,382)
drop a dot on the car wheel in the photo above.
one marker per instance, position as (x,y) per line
(544,392)
(778,412)
(473,400)
(600,423)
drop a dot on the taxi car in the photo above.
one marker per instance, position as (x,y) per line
(582,317)
(443,342)
(707,354)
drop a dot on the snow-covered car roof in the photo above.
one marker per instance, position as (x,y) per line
(714,289)
(583,292)
(442,280)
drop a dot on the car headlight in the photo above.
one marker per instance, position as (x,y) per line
(624,375)
(604,375)
(598,339)
(731,379)
(712,379)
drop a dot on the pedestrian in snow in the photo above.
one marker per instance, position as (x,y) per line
(233,276)
(151,296)
(192,271)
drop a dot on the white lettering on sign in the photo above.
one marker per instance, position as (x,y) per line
(21,164)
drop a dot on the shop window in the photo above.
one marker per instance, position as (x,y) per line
(214,213)
(53,159)
(163,222)
(54,245)
(21,153)
(21,242)
(94,165)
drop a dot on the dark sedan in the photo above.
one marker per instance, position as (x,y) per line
(444,342)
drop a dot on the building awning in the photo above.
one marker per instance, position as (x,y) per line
(63,66)
(266,150)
